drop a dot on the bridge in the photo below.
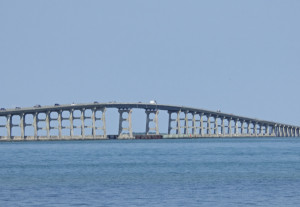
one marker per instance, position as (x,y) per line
(49,122)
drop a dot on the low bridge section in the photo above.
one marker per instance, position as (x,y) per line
(49,122)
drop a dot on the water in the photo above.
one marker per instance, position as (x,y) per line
(183,172)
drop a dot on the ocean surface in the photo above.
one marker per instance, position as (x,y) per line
(175,172)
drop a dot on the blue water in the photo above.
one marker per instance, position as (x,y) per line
(183,172)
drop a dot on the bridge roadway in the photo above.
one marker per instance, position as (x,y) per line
(57,122)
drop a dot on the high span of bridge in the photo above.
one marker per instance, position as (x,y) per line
(48,122)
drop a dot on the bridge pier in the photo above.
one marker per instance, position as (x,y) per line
(82,118)
(208,125)
(242,127)
(9,126)
(216,130)
(34,123)
(125,132)
(154,120)
(186,122)
(22,125)
(177,120)
(236,127)
(229,126)
(194,127)
(201,124)
(222,126)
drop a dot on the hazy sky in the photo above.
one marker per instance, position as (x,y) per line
(242,57)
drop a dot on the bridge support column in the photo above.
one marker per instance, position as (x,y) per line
(170,122)
(8,125)
(275,131)
(255,129)
(103,127)
(34,124)
(268,130)
(104,122)
(82,118)
(194,127)
(208,125)
(178,130)
(261,129)
(248,128)
(48,124)
(236,130)
(154,120)
(223,126)
(71,123)
(242,127)
(280,128)
(284,131)
(201,124)
(216,130)
(186,122)
(128,130)
(293,131)
(94,123)
(22,125)
(229,126)
(59,120)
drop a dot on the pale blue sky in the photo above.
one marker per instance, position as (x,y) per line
(242,57)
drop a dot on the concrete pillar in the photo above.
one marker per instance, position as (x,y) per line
(9,125)
(194,128)
(82,118)
(281,134)
(170,121)
(22,125)
(201,124)
(261,129)
(208,125)
(216,131)
(59,119)
(242,126)
(275,131)
(268,130)
(35,127)
(102,119)
(154,120)
(223,126)
(94,122)
(48,124)
(186,123)
(248,128)
(71,123)
(229,126)
(255,129)
(283,131)
(236,130)
(104,122)
(178,130)
(121,120)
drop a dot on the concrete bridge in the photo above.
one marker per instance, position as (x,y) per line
(182,122)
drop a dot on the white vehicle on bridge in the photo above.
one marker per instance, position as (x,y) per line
(153,102)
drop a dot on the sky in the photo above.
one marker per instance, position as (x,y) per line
(240,57)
